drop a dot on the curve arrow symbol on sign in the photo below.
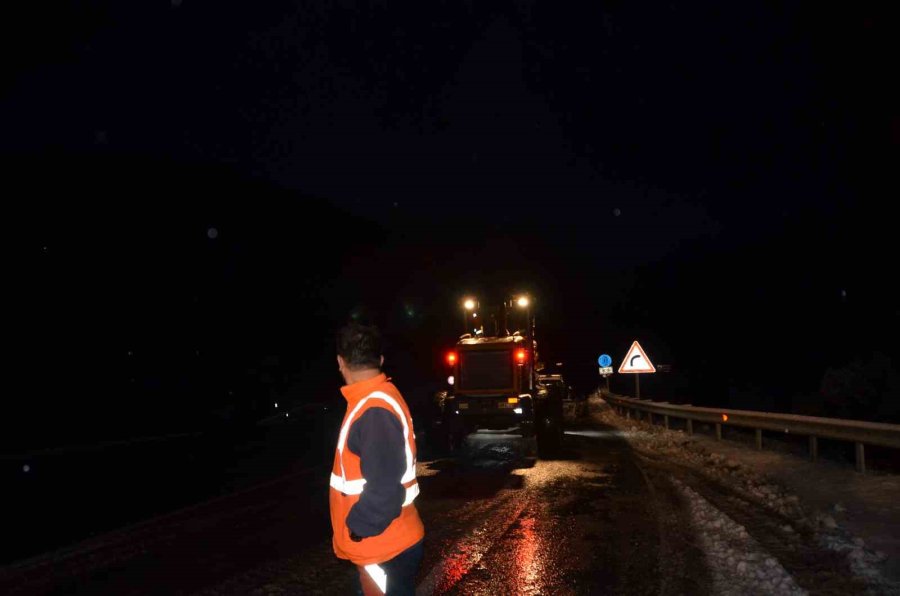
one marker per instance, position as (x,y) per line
(631,365)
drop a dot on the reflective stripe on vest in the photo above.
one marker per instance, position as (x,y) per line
(411,493)
(348,487)
(355,487)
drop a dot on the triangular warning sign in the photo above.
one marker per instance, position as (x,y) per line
(636,361)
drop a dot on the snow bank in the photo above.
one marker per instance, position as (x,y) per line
(739,565)
(682,449)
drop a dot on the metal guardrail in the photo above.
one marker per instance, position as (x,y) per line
(855,431)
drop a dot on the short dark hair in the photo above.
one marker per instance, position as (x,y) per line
(360,346)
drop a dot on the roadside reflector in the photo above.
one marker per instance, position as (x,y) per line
(724,417)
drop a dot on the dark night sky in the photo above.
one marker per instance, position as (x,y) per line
(694,175)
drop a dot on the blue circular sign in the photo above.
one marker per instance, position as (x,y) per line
(604,360)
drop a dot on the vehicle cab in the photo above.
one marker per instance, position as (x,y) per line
(493,381)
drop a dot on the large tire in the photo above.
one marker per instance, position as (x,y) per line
(549,444)
(530,445)
(549,433)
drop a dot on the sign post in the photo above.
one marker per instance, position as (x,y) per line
(606,370)
(637,363)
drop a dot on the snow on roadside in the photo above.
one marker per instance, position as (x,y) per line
(678,447)
(739,565)
(863,561)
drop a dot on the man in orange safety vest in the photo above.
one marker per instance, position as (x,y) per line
(373,478)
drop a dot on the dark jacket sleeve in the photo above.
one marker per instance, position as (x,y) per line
(377,438)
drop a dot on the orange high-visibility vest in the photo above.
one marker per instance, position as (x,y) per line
(347,482)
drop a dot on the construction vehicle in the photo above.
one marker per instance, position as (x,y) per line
(493,380)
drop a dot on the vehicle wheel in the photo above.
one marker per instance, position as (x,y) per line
(530,445)
(549,438)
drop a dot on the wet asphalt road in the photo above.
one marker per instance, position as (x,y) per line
(589,522)
(592,521)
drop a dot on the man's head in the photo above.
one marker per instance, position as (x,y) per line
(359,350)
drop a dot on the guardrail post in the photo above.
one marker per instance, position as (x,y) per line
(718,431)
(650,418)
(690,426)
(627,413)
(813,447)
(666,421)
(860,458)
(759,438)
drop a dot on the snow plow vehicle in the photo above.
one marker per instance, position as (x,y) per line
(494,384)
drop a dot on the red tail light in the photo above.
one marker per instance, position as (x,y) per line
(520,356)
(451,358)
